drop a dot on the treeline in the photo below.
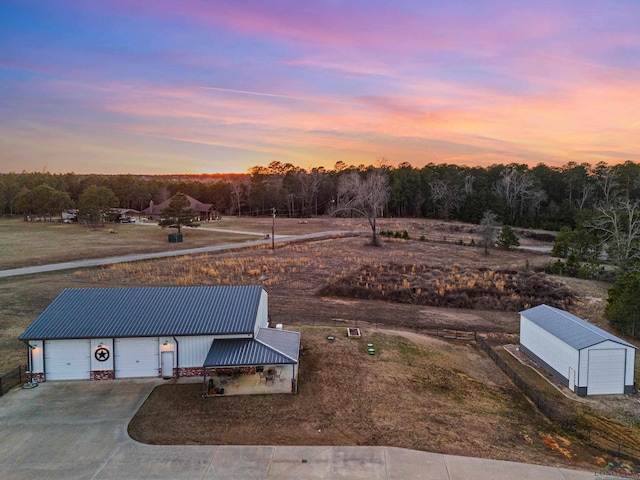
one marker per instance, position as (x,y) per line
(536,197)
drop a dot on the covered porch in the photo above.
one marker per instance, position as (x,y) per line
(265,379)
(265,364)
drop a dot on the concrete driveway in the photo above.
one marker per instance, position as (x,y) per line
(78,430)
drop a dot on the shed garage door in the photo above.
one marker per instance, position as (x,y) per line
(67,359)
(606,371)
(136,357)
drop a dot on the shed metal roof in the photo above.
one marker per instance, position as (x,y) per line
(249,352)
(148,311)
(570,329)
(283,341)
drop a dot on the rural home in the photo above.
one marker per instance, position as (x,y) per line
(585,358)
(218,333)
(204,211)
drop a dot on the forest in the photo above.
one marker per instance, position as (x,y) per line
(540,197)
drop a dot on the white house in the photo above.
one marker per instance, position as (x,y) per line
(111,333)
(585,358)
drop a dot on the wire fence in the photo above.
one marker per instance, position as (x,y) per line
(13,378)
(592,437)
(399,324)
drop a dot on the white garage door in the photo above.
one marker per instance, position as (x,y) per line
(136,357)
(67,359)
(606,371)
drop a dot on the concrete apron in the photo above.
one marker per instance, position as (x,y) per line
(78,430)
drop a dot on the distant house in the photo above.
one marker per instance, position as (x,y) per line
(217,334)
(204,211)
(70,215)
(585,358)
(123,215)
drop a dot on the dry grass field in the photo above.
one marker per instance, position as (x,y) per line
(294,275)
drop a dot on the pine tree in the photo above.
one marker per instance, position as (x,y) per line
(178,213)
(507,238)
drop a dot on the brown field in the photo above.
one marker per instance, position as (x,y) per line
(294,274)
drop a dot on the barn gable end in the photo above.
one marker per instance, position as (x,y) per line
(585,358)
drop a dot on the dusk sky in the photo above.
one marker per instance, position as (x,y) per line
(203,86)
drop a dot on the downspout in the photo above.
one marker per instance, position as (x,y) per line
(177,357)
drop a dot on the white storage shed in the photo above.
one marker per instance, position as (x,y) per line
(110,333)
(585,358)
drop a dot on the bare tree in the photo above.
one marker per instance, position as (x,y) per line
(619,225)
(446,197)
(516,188)
(586,193)
(239,192)
(469,180)
(488,230)
(364,196)
(607,179)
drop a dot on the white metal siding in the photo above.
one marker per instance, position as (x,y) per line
(606,345)
(557,354)
(107,363)
(630,367)
(262,315)
(192,351)
(606,371)
(67,359)
(136,357)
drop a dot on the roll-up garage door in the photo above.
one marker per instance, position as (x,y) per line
(67,359)
(606,371)
(136,357)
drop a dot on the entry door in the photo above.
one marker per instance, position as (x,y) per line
(572,379)
(166,359)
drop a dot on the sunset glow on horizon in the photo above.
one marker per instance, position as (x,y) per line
(197,86)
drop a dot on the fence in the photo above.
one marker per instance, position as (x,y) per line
(13,378)
(405,324)
(591,437)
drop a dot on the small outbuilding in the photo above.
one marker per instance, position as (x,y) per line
(585,358)
(201,331)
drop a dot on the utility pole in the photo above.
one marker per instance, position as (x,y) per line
(273,230)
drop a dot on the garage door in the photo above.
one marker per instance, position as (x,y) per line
(606,371)
(136,357)
(67,359)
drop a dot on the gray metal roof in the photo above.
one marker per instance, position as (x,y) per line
(570,329)
(249,352)
(283,341)
(148,311)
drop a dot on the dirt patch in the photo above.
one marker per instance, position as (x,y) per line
(425,394)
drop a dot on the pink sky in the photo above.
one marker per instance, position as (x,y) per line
(213,87)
